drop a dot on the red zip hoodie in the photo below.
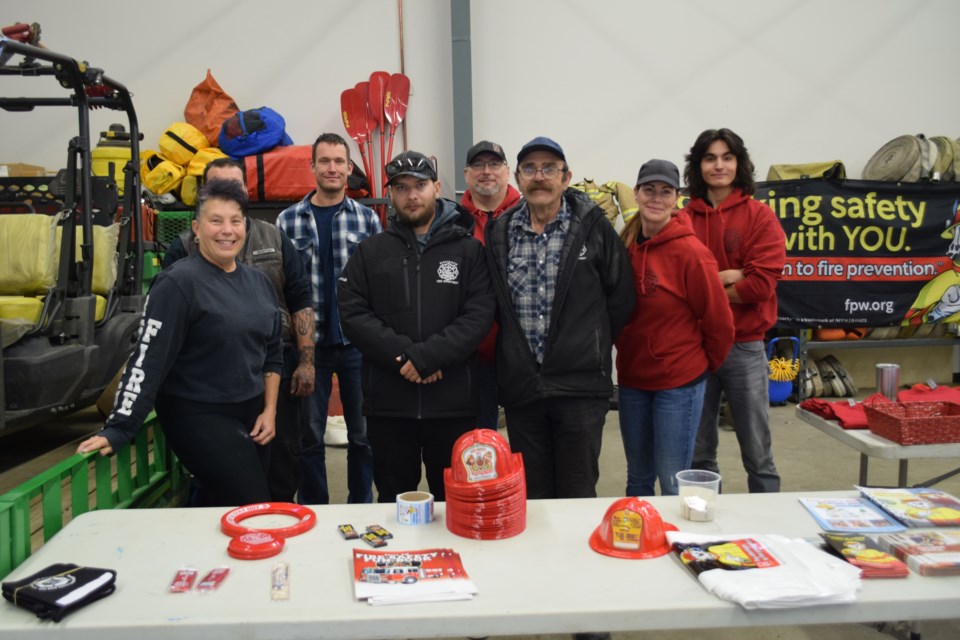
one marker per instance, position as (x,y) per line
(743,233)
(682,325)
(480,219)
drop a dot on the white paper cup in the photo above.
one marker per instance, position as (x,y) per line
(698,491)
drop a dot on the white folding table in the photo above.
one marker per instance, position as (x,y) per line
(871,445)
(545,580)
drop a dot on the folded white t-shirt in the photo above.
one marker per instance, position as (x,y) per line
(805,575)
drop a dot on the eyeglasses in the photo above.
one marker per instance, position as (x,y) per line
(406,164)
(549,171)
(493,165)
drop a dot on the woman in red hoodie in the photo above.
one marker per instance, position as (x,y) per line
(681,329)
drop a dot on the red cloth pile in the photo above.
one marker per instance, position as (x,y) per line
(854,417)
(923,393)
(850,416)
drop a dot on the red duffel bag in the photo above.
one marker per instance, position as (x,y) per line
(286,173)
(281,174)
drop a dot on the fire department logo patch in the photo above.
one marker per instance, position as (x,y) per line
(53,583)
(448,271)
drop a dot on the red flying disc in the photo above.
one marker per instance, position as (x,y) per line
(230,522)
(254,546)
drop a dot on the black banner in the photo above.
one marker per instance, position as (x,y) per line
(867,253)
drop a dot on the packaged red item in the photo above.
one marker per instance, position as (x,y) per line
(212,580)
(183,580)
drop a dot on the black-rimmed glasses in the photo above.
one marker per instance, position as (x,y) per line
(549,171)
(493,165)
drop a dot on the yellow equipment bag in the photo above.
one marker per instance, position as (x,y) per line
(200,161)
(188,190)
(159,175)
(181,141)
(830,169)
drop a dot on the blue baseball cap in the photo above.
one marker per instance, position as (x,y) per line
(540,143)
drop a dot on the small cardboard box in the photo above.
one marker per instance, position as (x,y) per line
(21,170)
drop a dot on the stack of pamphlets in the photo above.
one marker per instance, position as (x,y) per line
(850,515)
(401,577)
(917,506)
(929,553)
(863,552)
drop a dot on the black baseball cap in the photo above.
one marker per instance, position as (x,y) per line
(659,171)
(540,143)
(411,163)
(485,146)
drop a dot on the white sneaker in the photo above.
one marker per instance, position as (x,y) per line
(336,434)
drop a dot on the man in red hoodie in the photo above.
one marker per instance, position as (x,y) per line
(489,193)
(748,243)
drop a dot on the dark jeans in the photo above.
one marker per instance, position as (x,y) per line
(559,439)
(213,442)
(344,361)
(284,475)
(401,444)
(487,391)
(742,378)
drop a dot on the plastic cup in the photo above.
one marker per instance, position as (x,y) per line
(698,491)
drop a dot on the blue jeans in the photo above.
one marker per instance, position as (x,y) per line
(743,379)
(659,429)
(345,361)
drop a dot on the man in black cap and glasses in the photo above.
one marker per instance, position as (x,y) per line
(564,290)
(416,301)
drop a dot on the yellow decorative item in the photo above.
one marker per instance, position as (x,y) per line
(784,370)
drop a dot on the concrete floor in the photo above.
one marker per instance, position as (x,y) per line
(808,460)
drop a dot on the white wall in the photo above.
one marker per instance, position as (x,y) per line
(295,56)
(621,81)
(615,82)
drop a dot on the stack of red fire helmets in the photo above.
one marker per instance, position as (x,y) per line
(486,488)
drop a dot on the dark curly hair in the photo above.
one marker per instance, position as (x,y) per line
(229,190)
(693,176)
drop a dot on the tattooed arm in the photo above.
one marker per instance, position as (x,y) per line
(302,382)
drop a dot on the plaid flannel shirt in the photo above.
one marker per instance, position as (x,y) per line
(533,265)
(351,224)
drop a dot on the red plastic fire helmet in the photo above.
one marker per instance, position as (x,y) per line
(632,528)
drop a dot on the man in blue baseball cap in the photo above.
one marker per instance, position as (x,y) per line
(564,289)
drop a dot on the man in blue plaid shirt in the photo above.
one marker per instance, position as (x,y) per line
(564,291)
(325,227)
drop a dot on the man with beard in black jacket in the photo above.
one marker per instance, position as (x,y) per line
(416,300)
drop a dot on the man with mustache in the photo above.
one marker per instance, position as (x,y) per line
(416,301)
(564,290)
